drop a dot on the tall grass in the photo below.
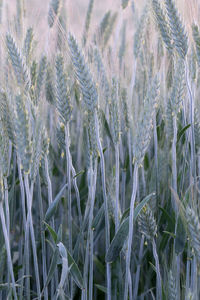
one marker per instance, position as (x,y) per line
(100,151)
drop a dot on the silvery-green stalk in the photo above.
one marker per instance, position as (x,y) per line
(7,244)
(147,226)
(90,98)
(115,130)
(141,143)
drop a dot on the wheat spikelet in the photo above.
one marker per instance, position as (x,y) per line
(178,88)
(60,135)
(54,9)
(196,37)
(62,93)
(104,23)
(125,3)
(197,129)
(4,154)
(27,50)
(140,32)
(49,86)
(169,120)
(122,48)
(36,148)
(145,123)
(92,138)
(171,286)
(22,132)
(125,109)
(147,223)
(1,10)
(114,112)
(40,77)
(109,29)
(194,229)
(18,64)
(87,85)
(87,21)
(163,25)
(177,29)
(102,76)
(6,116)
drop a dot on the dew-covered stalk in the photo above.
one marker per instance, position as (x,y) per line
(29,195)
(130,234)
(93,177)
(7,243)
(107,223)
(117,187)
(44,256)
(67,143)
(158,276)
(137,276)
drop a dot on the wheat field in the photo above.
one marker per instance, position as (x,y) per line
(100,150)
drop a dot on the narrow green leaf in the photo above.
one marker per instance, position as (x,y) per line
(118,241)
(106,126)
(101,288)
(180,239)
(54,262)
(98,218)
(122,233)
(125,214)
(53,206)
(52,232)
(181,132)
(74,270)
(79,173)
(170,233)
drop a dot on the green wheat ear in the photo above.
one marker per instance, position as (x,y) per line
(83,74)
(104,23)
(114,111)
(197,130)
(6,116)
(63,103)
(102,76)
(36,148)
(194,229)
(125,3)
(196,37)
(22,132)
(177,29)
(4,153)
(178,87)
(163,25)
(27,50)
(146,223)
(18,64)
(87,21)
(140,31)
(54,9)
(49,86)
(171,286)
(145,122)
(109,28)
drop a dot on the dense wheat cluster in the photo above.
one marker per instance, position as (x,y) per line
(100,150)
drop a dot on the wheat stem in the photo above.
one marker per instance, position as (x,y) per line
(130,234)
